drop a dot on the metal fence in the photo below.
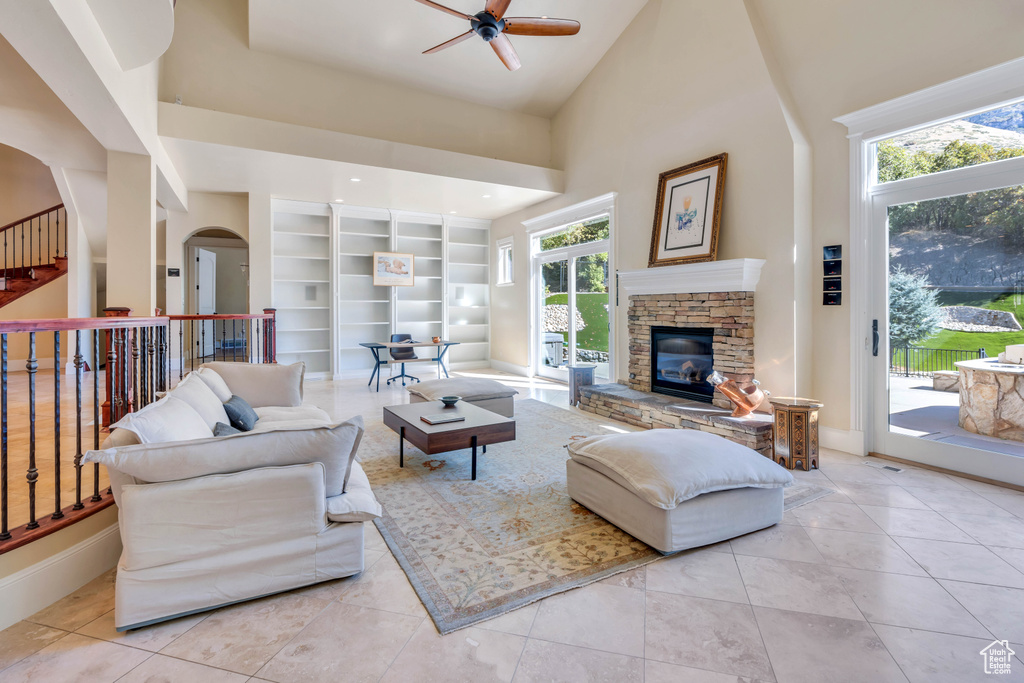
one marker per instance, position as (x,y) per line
(915,361)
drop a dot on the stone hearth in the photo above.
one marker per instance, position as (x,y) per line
(653,411)
(729,314)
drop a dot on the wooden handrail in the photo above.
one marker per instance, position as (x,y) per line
(26,219)
(225,316)
(71,324)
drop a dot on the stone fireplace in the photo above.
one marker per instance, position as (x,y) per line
(685,318)
(726,317)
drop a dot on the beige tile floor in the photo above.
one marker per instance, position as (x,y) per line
(895,577)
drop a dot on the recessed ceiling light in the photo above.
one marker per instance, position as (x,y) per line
(339,200)
(544,17)
(487,196)
(355,180)
(453,212)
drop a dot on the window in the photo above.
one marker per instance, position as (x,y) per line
(991,135)
(504,270)
(592,230)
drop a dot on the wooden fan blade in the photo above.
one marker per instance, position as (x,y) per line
(497,7)
(535,26)
(449,10)
(502,47)
(448,43)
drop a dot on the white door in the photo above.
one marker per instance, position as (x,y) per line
(908,418)
(206,298)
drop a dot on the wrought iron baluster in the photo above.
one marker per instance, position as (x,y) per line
(113,362)
(33,474)
(202,347)
(22,270)
(223,335)
(96,412)
(47,238)
(259,350)
(79,362)
(181,349)
(234,346)
(134,370)
(39,237)
(57,513)
(4,532)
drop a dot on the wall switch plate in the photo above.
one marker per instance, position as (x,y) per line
(832,299)
(833,284)
(833,268)
(832,252)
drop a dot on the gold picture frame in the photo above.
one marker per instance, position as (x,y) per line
(687,213)
(392,269)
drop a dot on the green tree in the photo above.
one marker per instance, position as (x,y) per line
(591,272)
(914,311)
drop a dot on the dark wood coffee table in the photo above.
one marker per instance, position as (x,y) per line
(481,427)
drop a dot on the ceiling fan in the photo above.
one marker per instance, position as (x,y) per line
(492,25)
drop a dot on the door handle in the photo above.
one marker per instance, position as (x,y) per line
(874,337)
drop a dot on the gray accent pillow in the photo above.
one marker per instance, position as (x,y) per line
(241,414)
(221,429)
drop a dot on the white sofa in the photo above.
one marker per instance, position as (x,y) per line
(209,521)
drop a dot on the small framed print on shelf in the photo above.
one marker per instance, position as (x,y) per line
(390,269)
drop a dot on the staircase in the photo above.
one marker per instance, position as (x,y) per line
(35,252)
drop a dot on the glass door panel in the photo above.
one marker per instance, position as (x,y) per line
(591,304)
(555,319)
(948,306)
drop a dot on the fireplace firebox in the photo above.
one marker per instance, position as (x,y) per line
(682,358)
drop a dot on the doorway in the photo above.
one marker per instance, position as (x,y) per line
(217,277)
(946,249)
(572,298)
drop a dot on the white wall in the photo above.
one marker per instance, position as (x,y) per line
(206,210)
(210,65)
(654,103)
(836,58)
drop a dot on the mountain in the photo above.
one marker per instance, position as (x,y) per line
(1007,118)
(935,139)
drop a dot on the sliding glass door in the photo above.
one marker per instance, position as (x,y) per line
(571,299)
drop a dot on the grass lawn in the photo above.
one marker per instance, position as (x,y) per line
(993,342)
(593,337)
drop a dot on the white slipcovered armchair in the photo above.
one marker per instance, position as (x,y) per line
(209,521)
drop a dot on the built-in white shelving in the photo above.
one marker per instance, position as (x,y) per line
(468,268)
(327,302)
(301,249)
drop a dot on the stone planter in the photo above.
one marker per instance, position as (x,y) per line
(992,398)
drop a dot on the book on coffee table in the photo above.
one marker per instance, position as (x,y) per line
(441,419)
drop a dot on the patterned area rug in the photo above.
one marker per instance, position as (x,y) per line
(475,550)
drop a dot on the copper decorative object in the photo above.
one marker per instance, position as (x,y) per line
(744,399)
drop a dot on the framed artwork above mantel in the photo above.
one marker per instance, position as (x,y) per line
(687,213)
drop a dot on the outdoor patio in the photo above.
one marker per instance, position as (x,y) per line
(915,409)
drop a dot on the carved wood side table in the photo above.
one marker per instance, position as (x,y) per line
(795,438)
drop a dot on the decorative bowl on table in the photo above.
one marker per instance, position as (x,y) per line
(450,401)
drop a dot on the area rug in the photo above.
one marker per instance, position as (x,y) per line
(476,549)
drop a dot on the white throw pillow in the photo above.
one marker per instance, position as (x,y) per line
(263,384)
(357,504)
(197,393)
(334,446)
(668,466)
(216,383)
(169,419)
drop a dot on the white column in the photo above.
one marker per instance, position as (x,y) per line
(261,261)
(131,232)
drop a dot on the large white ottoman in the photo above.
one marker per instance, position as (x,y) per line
(675,489)
(481,392)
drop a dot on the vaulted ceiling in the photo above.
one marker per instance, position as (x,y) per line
(385,38)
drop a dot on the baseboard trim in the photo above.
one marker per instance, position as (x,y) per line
(26,592)
(511,368)
(469,365)
(845,440)
(943,470)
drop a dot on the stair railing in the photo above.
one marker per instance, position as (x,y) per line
(37,240)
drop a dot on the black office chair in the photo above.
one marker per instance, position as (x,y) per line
(400,354)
